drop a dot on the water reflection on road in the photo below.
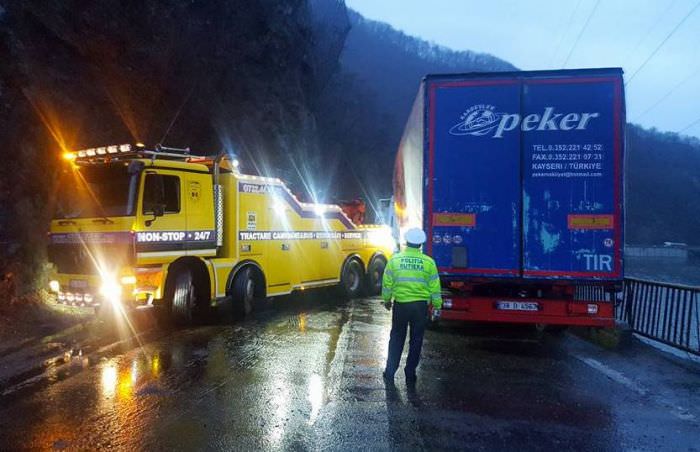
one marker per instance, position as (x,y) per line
(308,375)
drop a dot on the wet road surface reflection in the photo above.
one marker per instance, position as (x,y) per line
(306,374)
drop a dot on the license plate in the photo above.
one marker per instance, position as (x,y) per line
(78,284)
(517,306)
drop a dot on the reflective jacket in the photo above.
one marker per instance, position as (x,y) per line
(411,276)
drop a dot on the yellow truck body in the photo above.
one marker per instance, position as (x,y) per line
(192,228)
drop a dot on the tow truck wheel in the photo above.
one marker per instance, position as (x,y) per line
(375,272)
(184,298)
(243,294)
(351,279)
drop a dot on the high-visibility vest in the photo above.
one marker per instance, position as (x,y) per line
(411,276)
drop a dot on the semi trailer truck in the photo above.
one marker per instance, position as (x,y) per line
(517,179)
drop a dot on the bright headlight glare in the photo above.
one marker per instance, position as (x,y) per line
(111,290)
(279,207)
(55,286)
(382,237)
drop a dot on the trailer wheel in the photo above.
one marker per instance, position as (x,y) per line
(351,279)
(243,293)
(184,297)
(552,330)
(556,330)
(375,272)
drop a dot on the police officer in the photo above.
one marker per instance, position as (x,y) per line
(411,280)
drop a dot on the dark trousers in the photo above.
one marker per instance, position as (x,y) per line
(414,314)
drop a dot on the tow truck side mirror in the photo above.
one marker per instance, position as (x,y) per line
(157,211)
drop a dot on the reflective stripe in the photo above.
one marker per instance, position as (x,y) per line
(386,290)
(388,271)
(436,296)
(410,279)
(434,277)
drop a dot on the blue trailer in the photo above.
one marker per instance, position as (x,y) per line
(517,180)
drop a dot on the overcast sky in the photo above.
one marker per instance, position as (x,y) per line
(541,34)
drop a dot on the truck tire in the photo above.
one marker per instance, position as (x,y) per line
(184,297)
(351,279)
(552,330)
(243,293)
(375,272)
(556,330)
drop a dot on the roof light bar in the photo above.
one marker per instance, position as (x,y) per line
(102,150)
(104,153)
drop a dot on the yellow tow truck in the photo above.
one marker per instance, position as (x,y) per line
(147,227)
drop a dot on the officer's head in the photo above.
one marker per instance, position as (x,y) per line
(415,237)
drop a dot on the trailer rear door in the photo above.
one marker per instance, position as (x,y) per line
(475,195)
(571,177)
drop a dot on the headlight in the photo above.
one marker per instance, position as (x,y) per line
(128,280)
(55,286)
(111,290)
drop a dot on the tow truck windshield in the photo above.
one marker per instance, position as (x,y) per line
(96,192)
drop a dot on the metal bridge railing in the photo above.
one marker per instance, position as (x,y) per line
(664,312)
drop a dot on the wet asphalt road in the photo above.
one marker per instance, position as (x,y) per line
(305,375)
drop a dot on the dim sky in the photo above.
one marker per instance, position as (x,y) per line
(541,34)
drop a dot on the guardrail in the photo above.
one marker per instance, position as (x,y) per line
(664,312)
